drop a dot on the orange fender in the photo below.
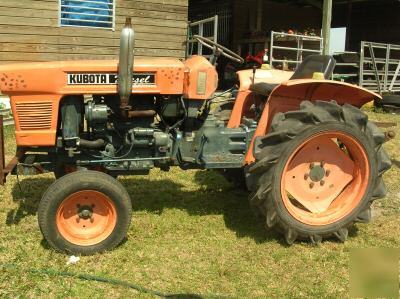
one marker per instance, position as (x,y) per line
(288,96)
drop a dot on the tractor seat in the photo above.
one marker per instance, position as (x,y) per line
(311,64)
(315,64)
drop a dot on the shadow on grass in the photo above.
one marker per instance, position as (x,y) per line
(28,194)
(215,197)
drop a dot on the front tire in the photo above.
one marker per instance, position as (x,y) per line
(318,171)
(85,212)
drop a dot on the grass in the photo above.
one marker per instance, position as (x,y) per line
(192,232)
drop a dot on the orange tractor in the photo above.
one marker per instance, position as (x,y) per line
(310,158)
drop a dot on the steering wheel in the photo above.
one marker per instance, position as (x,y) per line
(215,47)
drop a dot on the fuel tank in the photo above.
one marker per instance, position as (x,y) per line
(268,76)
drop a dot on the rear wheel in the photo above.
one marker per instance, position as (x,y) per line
(318,171)
(85,212)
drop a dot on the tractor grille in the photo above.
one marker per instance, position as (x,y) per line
(34,115)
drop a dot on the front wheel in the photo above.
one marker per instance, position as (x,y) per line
(318,171)
(85,212)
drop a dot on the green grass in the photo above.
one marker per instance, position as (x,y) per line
(192,232)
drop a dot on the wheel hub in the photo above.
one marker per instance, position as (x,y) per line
(317,173)
(85,212)
(86,217)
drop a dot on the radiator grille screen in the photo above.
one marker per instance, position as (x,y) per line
(34,115)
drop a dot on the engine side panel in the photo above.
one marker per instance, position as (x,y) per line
(36,89)
(151,76)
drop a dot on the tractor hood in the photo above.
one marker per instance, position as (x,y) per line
(151,75)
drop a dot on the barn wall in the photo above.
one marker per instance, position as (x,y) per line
(29,31)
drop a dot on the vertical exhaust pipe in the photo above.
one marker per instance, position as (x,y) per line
(125,65)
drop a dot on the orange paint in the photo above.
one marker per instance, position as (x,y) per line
(289,95)
(51,77)
(268,76)
(343,187)
(90,231)
(36,119)
(46,83)
(243,100)
(201,78)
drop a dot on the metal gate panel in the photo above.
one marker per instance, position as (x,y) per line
(380,67)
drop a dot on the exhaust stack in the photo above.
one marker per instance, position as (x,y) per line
(125,65)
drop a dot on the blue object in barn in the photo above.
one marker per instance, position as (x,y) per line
(87,13)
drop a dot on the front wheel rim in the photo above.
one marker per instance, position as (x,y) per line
(325,178)
(86,218)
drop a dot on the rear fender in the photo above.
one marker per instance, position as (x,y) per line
(289,95)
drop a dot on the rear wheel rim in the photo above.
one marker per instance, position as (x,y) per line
(325,178)
(86,218)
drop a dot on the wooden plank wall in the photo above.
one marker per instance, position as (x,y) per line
(29,31)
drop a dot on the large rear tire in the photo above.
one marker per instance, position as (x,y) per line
(85,212)
(318,171)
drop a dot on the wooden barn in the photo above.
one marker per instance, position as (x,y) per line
(43,30)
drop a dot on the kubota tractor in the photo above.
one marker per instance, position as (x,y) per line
(310,158)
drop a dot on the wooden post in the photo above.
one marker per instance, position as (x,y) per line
(326,25)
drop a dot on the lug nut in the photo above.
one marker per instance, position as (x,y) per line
(311,185)
(78,219)
(322,182)
(91,219)
(327,173)
(306,176)
(322,163)
(312,165)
